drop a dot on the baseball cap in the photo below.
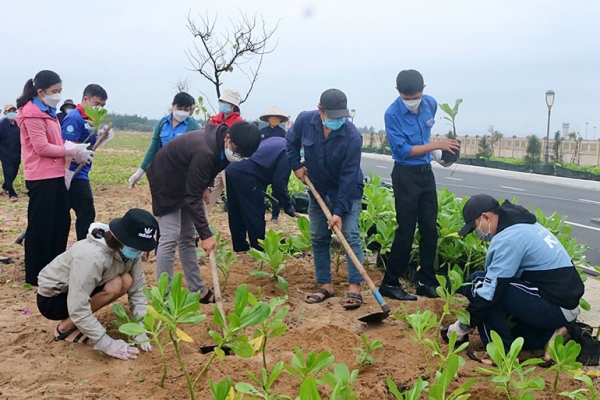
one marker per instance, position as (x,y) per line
(473,208)
(334,103)
(9,106)
(136,229)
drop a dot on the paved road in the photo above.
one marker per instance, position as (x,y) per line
(578,204)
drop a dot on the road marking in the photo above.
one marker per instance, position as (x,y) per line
(454,179)
(583,226)
(381,166)
(589,201)
(513,188)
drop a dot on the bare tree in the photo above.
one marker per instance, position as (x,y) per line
(243,46)
(182,85)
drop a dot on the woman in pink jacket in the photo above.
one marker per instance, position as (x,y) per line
(44,154)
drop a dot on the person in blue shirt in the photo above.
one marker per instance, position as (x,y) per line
(408,123)
(76,128)
(10,150)
(332,153)
(179,121)
(529,277)
(67,107)
(247,182)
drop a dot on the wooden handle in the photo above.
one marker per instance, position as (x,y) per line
(96,145)
(216,286)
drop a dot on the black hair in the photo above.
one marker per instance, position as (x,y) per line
(93,90)
(235,109)
(246,137)
(409,82)
(183,99)
(111,240)
(42,80)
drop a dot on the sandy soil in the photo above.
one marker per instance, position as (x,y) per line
(33,366)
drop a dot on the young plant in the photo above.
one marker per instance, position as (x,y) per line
(439,390)
(97,118)
(588,393)
(564,357)
(272,327)
(386,232)
(509,375)
(452,112)
(342,382)
(265,383)
(311,367)
(299,244)
(273,256)
(225,258)
(421,324)
(167,312)
(414,393)
(223,390)
(447,290)
(364,354)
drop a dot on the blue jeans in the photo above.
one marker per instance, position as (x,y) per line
(320,239)
(532,317)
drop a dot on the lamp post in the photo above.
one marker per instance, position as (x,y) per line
(352,114)
(594,133)
(549,103)
(586,126)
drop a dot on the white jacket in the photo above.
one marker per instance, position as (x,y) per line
(87,264)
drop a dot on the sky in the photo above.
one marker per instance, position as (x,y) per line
(500,57)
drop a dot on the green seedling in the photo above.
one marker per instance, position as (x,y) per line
(564,357)
(299,244)
(265,383)
(445,357)
(509,375)
(169,309)
(225,259)
(223,390)
(421,324)
(386,232)
(439,390)
(273,256)
(414,393)
(309,390)
(97,118)
(272,326)
(588,393)
(364,353)
(342,382)
(452,112)
(311,367)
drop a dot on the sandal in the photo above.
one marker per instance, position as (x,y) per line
(67,336)
(315,298)
(208,298)
(353,301)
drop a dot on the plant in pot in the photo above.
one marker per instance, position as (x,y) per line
(446,155)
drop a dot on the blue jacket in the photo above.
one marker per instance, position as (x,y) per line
(268,132)
(77,129)
(10,141)
(333,163)
(405,129)
(157,141)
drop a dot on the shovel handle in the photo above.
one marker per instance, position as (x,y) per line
(347,248)
(216,286)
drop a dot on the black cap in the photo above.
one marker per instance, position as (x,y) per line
(136,229)
(334,103)
(473,208)
(68,102)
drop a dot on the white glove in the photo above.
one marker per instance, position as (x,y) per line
(143,340)
(116,348)
(78,152)
(108,137)
(460,329)
(136,177)
(437,156)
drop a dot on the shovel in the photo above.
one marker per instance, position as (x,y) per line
(385,309)
(218,301)
(274,200)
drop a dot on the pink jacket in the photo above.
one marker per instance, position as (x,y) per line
(42,145)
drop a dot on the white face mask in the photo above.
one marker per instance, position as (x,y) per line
(52,100)
(231,156)
(180,115)
(412,105)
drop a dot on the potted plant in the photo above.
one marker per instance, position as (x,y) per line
(446,155)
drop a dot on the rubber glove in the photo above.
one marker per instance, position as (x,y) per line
(143,340)
(290,210)
(108,137)
(461,330)
(136,177)
(116,348)
(437,156)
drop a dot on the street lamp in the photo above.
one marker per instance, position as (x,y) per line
(352,114)
(549,103)
(586,125)
(594,133)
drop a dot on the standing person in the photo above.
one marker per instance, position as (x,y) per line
(229,114)
(529,277)
(177,122)
(332,152)
(10,150)
(76,127)
(66,108)
(44,152)
(247,182)
(94,273)
(408,123)
(274,116)
(179,176)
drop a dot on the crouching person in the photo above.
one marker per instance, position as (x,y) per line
(529,277)
(92,274)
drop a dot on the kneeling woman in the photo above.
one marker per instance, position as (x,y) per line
(95,272)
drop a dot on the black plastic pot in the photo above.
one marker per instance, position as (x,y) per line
(449,157)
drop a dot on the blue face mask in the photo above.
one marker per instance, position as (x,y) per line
(224,108)
(11,115)
(334,124)
(130,253)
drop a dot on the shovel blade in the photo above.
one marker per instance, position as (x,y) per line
(374,318)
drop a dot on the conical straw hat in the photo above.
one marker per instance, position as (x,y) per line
(274,112)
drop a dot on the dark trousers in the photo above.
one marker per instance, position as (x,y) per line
(416,201)
(246,209)
(521,312)
(10,169)
(81,200)
(48,224)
